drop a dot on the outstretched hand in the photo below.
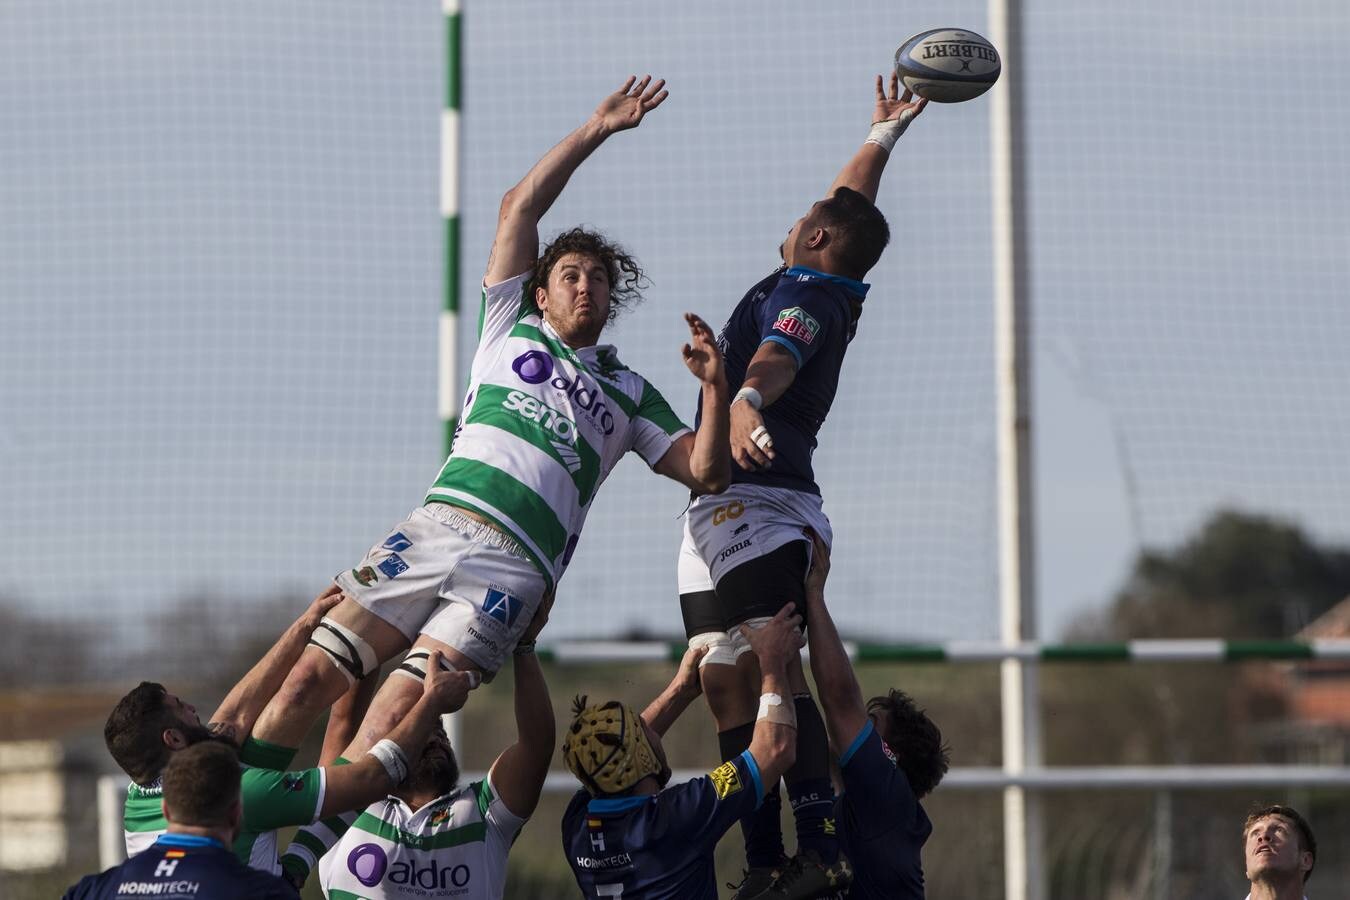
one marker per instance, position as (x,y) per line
(820,564)
(701,355)
(896,107)
(625,107)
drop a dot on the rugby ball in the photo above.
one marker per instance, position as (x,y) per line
(947,65)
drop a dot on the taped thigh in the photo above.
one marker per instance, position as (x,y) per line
(347,650)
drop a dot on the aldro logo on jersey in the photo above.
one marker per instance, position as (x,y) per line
(797,323)
(536,367)
(370,864)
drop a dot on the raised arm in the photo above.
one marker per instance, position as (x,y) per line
(701,461)
(770,373)
(774,742)
(517,240)
(890,118)
(245,702)
(683,689)
(369,776)
(519,772)
(840,696)
(345,718)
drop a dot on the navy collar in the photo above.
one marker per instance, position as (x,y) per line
(170,839)
(856,287)
(617,804)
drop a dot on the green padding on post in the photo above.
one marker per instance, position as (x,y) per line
(1086,652)
(1236,650)
(901,653)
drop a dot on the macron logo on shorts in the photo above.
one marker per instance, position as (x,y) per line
(398,542)
(502,607)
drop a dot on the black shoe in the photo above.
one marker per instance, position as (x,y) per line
(757,881)
(806,877)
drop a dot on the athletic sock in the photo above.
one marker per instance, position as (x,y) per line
(762,829)
(810,790)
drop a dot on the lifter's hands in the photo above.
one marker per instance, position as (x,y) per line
(820,565)
(625,108)
(701,355)
(897,107)
(447,690)
(320,606)
(777,641)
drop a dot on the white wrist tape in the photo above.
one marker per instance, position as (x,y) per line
(749,395)
(771,707)
(885,134)
(392,757)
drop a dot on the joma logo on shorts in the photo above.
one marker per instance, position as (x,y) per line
(733,549)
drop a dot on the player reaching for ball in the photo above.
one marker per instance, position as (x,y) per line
(744,552)
(548,414)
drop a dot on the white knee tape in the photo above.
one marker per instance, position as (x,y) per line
(720,652)
(347,650)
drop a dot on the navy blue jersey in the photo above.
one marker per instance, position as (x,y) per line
(884,830)
(813,316)
(183,867)
(659,845)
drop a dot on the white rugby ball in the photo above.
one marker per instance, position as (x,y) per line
(947,65)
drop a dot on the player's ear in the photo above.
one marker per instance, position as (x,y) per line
(819,239)
(541,298)
(174,739)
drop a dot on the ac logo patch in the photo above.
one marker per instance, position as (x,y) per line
(797,323)
(365,576)
(393,567)
(726,780)
(502,606)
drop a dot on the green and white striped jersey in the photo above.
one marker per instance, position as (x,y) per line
(455,846)
(543,425)
(272,799)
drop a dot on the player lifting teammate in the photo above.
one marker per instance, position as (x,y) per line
(744,553)
(548,414)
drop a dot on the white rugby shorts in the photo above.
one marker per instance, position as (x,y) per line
(452,578)
(744,522)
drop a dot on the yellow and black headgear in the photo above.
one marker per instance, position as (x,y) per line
(607,748)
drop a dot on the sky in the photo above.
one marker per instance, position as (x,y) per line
(221,267)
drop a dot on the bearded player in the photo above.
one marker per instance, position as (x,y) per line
(548,414)
(744,551)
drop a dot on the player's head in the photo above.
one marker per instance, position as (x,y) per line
(147,726)
(912,739)
(611,749)
(437,770)
(843,234)
(581,281)
(201,788)
(1277,843)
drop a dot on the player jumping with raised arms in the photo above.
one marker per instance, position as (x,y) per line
(745,552)
(548,414)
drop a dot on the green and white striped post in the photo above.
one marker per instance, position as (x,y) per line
(447,387)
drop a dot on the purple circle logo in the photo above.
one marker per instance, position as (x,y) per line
(368,863)
(534,367)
